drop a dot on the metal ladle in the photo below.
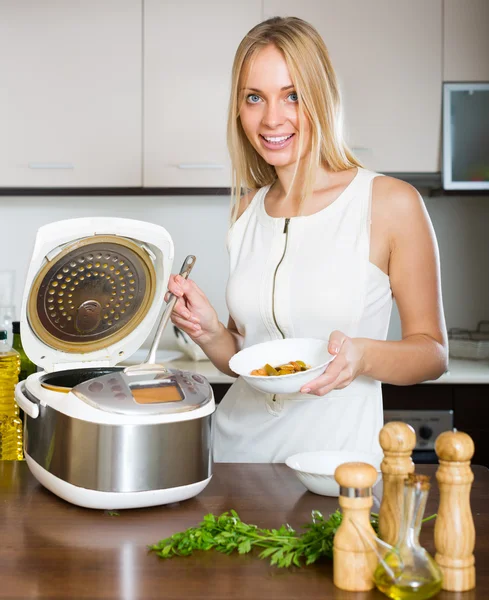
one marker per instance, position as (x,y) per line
(150,365)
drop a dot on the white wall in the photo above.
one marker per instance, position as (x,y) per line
(198,226)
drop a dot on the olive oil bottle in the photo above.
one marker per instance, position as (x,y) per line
(408,572)
(27,367)
(10,423)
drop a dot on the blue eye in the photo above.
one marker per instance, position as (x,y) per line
(293,97)
(253,98)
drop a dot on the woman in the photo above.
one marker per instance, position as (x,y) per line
(317,248)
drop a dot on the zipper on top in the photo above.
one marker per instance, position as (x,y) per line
(286,233)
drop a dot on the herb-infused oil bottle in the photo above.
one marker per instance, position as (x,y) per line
(408,572)
(27,367)
(10,424)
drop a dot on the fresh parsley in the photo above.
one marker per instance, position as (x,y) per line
(227,533)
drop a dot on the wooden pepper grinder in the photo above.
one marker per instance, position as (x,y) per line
(454,528)
(397,440)
(354,560)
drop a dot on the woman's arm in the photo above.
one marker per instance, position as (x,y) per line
(221,347)
(414,272)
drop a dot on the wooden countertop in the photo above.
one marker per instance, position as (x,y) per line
(53,550)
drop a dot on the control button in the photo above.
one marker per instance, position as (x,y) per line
(198,378)
(96,386)
(120,396)
(116,388)
(425,432)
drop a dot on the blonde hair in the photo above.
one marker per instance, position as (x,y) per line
(317,88)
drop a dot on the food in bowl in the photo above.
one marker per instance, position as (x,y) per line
(294,366)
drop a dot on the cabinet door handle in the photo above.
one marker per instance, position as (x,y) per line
(49,165)
(199,166)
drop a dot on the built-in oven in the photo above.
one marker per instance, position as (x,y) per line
(428,424)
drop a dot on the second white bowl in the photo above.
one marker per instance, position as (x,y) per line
(316,469)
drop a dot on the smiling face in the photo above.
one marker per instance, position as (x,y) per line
(269,111)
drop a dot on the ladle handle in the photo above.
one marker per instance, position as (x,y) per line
(187,266)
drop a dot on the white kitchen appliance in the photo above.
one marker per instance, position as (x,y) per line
(93,435)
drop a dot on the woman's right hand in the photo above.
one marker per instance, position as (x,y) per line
(192,313)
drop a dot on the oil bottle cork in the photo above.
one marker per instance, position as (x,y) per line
(354,560)
(454,528)
(398,441)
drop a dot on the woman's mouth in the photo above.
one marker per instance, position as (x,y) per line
(276,142)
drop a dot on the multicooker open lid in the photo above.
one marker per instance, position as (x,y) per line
(94,290)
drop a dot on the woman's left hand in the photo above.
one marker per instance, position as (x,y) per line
(343,369)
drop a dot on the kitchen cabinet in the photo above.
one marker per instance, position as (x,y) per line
(388,61)
(189,47)
(422,396)
(468,402)
(220,390)
(466,40)
(134,93)
(470,415)
(70,94)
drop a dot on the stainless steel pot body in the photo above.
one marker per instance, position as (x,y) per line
(119,458)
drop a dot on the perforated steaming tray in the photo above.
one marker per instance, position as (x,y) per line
(93,293)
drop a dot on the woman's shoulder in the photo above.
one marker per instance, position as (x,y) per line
(395,196)
(248,199)
(399,211)
(245,201)
(245,207)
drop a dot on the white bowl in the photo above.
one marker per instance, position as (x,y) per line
(312,352)
(316,469)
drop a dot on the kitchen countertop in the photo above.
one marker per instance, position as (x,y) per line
(54,550)
(459,371)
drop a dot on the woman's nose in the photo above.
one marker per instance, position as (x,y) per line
(274,115)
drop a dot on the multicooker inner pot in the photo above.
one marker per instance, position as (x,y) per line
(94,435)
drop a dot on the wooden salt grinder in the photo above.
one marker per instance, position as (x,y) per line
(397,440)
(354,561)
(454,527)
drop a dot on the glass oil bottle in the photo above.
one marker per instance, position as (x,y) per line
(27,367)
(10,423)
(408,572)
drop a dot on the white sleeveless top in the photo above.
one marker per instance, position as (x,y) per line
(324,281)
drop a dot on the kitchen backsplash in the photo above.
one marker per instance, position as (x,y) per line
(198,226)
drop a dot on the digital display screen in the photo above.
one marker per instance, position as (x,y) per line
(157,394)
